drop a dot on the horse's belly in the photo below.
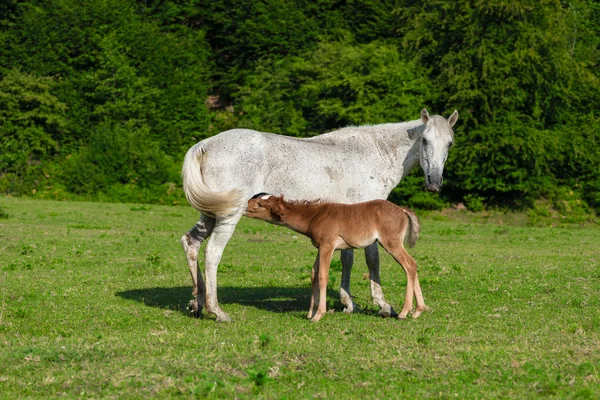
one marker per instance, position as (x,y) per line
(332,180)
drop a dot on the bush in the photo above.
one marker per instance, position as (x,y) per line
(411,193)
(32,121)
(117,154)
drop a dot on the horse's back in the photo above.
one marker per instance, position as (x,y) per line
(338,166)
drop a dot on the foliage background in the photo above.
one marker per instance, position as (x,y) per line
(100,99)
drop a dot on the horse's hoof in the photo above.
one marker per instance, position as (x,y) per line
(387,312)
(353,309)
(195,310)
(224,318)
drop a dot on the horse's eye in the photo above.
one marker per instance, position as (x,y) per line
(450,144)
(424,142)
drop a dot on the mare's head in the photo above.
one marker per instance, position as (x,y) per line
(436,136)
(265,207)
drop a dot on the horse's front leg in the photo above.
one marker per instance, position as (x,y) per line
(191,242)
(372,259)
(213,252)
(347,258)
(325,253)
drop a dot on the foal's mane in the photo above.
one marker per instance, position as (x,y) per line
(307,203)
(304,202)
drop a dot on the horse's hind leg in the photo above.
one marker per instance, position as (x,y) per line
(191,243)
(213,252)
(347,258)
(372,258)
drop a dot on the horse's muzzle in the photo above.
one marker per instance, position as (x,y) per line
(433,188)
(433,183)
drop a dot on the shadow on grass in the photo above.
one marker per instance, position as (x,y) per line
(273,299)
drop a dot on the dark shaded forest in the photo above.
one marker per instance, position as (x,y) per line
(100,99)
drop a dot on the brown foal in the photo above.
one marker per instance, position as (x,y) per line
(335,226)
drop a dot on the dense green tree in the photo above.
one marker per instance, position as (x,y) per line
(32,124)
(111,63)
(101,99)
(520,72)
(336,85)
(112,67)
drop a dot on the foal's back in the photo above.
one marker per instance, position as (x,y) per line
(358,225)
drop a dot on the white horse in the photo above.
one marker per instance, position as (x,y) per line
(350,165)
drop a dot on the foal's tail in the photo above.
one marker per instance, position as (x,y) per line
(414,228)
(199,195)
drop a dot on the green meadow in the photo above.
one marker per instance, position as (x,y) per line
(93,303)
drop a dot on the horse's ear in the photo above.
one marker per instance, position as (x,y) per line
(453,118)
(416,131)
(425,116)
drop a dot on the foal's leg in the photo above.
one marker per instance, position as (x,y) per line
(412,281)
(213,252)
(347,258)
(314,298)
(191,243)
(372,258)
(419,296)
(325,253)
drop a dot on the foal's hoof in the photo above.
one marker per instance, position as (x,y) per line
(418,312)
(195,310)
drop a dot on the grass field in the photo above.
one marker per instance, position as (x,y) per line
(93,304)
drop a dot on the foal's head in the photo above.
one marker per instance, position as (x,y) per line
(436,137)
(266,207)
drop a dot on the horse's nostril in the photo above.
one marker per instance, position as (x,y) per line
(429,179)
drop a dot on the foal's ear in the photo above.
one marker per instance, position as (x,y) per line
(453,118)
(277,207)
(425,116)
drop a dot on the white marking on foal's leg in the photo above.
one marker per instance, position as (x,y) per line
(372,259)
(347,258)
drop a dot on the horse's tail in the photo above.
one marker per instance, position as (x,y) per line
(199,195)
(414,228)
